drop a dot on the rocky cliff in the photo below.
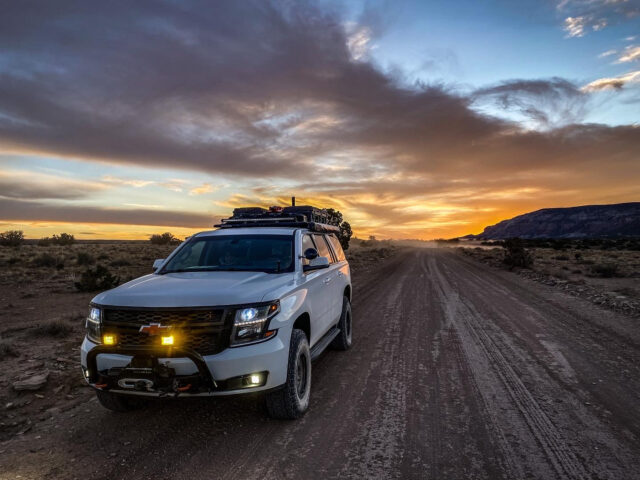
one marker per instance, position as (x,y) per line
(622,219)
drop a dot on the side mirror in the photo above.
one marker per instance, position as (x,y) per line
(310,254)
(157,263)
(316,264)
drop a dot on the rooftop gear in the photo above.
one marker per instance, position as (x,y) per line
(304,216)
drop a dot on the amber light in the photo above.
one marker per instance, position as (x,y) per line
(168,340)
(109,339)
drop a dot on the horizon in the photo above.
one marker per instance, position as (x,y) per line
(121,121)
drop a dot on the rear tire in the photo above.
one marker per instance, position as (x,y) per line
(345,324)
(292,401)
(119,403)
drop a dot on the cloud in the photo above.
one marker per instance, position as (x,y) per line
(175,185)
(608,53)
(126,182)
(202,189)
(546,102)
(595,15)
(274,91)
(574,26)
(30,185)
(630,54)
(18,210)
(612,83)
(358,42)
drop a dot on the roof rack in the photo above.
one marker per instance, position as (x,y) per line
(304,216)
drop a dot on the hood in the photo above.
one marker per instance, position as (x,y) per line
(195,289)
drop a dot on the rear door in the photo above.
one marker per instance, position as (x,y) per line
(331,279)
(343,275)
(318,292)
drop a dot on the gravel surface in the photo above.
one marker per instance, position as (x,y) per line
(457,371)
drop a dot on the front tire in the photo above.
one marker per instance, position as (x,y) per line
(345,324)
(292,401)
(119,403)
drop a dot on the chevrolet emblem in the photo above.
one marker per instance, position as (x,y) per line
(154,329)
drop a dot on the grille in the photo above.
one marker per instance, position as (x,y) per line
(165,317)
(204,331)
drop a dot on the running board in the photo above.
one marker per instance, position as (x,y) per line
(324,342)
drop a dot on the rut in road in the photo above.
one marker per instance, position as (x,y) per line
(466,319)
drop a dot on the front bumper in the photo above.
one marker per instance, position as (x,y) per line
(170,371)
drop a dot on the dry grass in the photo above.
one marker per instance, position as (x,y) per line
(57,268)
(53,328)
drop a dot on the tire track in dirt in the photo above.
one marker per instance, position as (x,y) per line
(564,461)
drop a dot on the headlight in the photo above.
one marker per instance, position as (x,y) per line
(251,324)
(94,325)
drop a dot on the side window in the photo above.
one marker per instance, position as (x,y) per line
(337,248)
(323,248)
(307,242)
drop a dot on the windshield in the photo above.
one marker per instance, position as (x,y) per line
(246,253)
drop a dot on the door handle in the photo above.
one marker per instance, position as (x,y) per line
(326,280)
(340,273)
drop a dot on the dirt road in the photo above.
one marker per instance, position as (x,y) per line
(457,371)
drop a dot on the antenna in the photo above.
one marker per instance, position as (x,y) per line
(293,201)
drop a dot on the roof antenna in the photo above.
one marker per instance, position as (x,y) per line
(293,201)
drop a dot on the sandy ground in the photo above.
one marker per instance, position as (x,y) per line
(458,370)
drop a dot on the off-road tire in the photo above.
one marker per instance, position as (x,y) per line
(345,324)
(119,403)
(292,401)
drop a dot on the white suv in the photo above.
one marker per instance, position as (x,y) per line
(230,311)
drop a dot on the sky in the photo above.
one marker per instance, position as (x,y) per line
(415,119)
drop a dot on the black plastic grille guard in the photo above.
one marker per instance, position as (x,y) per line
(155,353)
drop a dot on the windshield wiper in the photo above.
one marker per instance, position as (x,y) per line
(196,269)
(206,269)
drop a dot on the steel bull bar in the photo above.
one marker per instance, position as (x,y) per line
(151,367)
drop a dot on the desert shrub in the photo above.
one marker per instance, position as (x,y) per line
(605,270)
(515,255)
(13,260)
(335,218)
(165,238)
(53,328)
(12,238)
(45,260)
(562,257)
(75,318)
(345,235)
(84,258)
(578,256)
(97,279)
(63,239)
(103,256)
(44,242)
(120,262)
(7,349)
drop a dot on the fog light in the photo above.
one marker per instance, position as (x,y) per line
(109,339)
(168,340)
(254,379)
